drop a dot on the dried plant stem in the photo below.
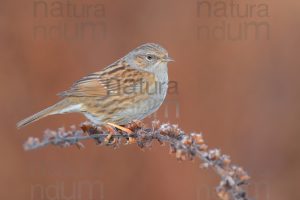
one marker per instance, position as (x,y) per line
(184,146)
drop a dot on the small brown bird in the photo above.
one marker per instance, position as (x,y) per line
(130,89)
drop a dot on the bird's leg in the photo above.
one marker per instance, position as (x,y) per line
(111,132)
(126,130)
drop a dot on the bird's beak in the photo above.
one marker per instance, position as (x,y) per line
(168,59)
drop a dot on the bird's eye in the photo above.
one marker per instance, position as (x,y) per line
(149,57)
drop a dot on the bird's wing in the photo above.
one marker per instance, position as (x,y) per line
(90,85)
(110,81)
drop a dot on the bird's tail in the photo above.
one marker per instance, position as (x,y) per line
(61,107)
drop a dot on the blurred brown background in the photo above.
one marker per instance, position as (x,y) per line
(243,94)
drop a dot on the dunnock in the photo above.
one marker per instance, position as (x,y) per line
(130,89)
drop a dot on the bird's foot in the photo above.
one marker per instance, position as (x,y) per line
(109,139)
(131,140)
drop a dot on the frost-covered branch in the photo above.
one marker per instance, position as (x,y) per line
(184,146)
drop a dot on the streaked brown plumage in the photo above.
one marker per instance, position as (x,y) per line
(129,89)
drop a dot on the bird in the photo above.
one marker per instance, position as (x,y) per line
(129,89)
